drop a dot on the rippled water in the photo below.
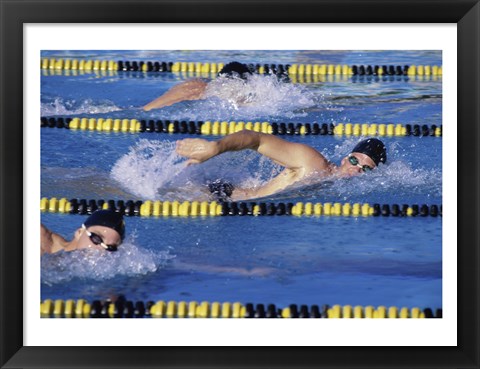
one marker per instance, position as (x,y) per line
(274,259)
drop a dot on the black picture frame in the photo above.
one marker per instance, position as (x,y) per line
(14,13)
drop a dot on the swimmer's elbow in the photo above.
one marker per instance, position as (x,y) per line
(157,104)
(242,194)
(252,139)
(151,105)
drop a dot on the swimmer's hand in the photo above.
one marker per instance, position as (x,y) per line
(197,150)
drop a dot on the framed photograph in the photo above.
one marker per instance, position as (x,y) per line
(322,81)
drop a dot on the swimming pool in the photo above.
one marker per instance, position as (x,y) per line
(281,260)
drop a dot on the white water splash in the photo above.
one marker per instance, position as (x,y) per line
(129,260)
(397,177)
(262,95)
(60,106)
(147,167)
(152,170)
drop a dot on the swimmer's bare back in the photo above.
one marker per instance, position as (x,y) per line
(189,90)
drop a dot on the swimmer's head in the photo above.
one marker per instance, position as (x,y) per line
(373,148)
(235,69)
(109,219)
(104,229)
(365,156)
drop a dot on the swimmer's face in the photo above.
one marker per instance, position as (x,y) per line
(348,168)
(92,235)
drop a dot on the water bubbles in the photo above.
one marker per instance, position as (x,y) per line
(60,106)
(401,179)
(92,264)
(148,166)
(263,96)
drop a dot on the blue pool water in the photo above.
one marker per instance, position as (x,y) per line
(282,260)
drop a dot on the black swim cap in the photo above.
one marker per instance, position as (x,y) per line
(374,148)
(107,218)
(235,68)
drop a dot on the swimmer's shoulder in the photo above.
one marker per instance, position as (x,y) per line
(46,240)
(51,242)
(315,162)
(197,82)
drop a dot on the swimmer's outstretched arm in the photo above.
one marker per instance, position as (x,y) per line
(288,154)
(188,90)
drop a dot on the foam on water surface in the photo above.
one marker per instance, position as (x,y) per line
(262,97)
(153,170)
(60,106)
(91,264)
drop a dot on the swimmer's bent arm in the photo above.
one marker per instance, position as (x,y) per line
(188,90)
(288,154)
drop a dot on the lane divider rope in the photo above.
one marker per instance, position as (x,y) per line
(211,209)
(123,308)
(205,67)
(222,128)
(295,79)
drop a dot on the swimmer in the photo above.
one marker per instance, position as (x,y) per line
(194,89)
(300,161)
(103,230)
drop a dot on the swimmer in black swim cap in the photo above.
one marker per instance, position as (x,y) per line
(103,230)
(374,148)
(300,162)
(194,89)
(365,156)
(235,69)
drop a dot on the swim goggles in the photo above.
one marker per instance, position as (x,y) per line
(97,240)
(354,161)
